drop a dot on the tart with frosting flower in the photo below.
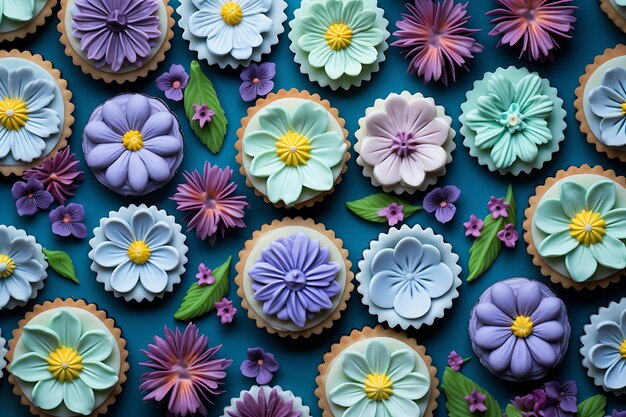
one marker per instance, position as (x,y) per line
(19,18)
(339,43)
(404,142)
(267,402)
(513,121)
(138,253)
(616,11)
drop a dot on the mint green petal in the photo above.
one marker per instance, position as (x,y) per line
(355,366)
(362,22)
(319,12)
(347,394)
(503,154)
(402,363)
(40,339)
(536,132)
(378,357)
(372,36)
(48,394)
(316,176)
(616,223)
(362,52)
(67,326)
(95,345)
(610,252)
(310,41)
(581,264)
(320,55)
(329,148)
(19,10)
(550,217)
(30,367)
(399,406)
(352,66)
(600,197)
(314,24)
(524,148)
(334,10)
(352,10)
(285,185)
(258,142)
(413,386)
(78,397)
(538,107)
(490,107)
(558,244)
(572,198)
(527,88)
(364,408)
(502,93)
(336,65)
(266,164)
(310,119)
(275,120)
(487,137)
(98,376)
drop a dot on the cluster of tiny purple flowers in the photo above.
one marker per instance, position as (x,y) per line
(554,399)
(498,209)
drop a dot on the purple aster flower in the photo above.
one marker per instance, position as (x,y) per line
(257,80)
(204,275)
(476,402)
(260,365)
(441,202)
(531,404)
(498,207)
(618,413)
(274,406)
(473,226)
(202,114)
(393,213)
(68,221)
(561,399)
(455,361)
(58,174)
(508,235)
(225,310)
(30,197)
(173,82)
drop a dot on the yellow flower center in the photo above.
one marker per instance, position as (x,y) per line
(378,387)
(622,349)
(624,107)
(293,149)
(139,252)
(338,36)
(132,140)
(13,113)
(587,227)
(231,13)
(65,364)
(522,326)
(7,266)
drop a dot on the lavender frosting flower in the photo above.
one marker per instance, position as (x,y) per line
(295,279)
(260,365)
(266,402)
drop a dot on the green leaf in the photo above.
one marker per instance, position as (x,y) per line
(456,386)
(367,208)
(512,411)
(592,406)
(200,299)
(487,246)
(61,263)
(200,91)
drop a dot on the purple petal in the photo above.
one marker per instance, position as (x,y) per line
(248,91)
(264,377)
(445,214)
(451,193)
(249,369)
(175,94)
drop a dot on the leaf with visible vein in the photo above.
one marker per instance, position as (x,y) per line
(593,406)
(367,208)
(61,263)
(456,386)
(512,411)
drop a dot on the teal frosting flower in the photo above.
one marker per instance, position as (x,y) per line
(511,120)
(380,383)
(294,151)
(586,226)
(66,363)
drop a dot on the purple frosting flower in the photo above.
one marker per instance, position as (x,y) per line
(441,202)
(519,329)
(393,213)
(205,275)
(532,403)
(257,80)
(618,413)
(455,361)
(260,365)
(68,220)
(202,114)
(476,402)
(173,82)
(561,399)
(225,310)
(473,226)
(116,32)
(508,235)
(295,279)
(498,207)
(30,197)
(272,405)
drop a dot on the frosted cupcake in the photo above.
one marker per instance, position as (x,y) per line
(3,353)
(616,11)
(133,144)
(20,18)
(267,402)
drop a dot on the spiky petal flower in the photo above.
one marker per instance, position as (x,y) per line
(209,202)
(184,375)
(59,175)
(436,39)
(533,24)
(274,406)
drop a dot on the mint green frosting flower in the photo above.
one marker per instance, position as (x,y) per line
(294,151)
(380,383)
(512,120)
(585,226)
(18,10)
(66,363)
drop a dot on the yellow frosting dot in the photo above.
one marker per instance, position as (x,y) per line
(522,326)
(293,149)
(231,13)
(587,227)
(338,36)
(7,266)
(132,140)
(65,364)
(13,113)
(624,107)
(622,349)
(378,387)
(139,252)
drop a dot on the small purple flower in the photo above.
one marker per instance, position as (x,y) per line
(455,361)
(508,235)
(618,413)
(531,404)
(473,226)
(225,310)
(561,399)
(498,207)
(260,365)
(173,82)
(30,197)
(441,202)
(68,220)
(476,401)
(257,80)
(205,275)
(202,114)
(393,212)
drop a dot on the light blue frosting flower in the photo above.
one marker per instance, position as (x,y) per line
(18,10)
(608,102)
(608,353)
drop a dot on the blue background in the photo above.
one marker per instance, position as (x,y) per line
(299,360)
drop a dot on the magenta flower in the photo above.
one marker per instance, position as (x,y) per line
(436,40)
(441,202)
(184,373)
(58,174)
(209,202)
(455,361)
(393,212)
(225,310)
(204,275)
(535,25)
(473,226)
(173,82)
(498,207)
(68,221)
(508,235)
(257,80)
(202,114)
(260,365)
(476,402)
(30,197)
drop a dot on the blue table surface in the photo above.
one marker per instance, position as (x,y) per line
(299,359)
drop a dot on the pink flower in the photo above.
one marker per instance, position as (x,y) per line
(498,207)
(476,401)
(225,310)
(393,213)
(508,235)
(473,226)
(455,361)
(202,114)
(204,275)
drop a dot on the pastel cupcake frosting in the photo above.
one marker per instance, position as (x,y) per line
(266,401)
(519,329)
(133,144)
(19,18)
(606,101)
(3,353)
